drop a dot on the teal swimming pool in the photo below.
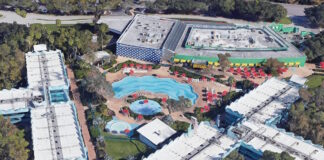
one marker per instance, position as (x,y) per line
(116,126)
(149,108)
(168,86)
(58,96)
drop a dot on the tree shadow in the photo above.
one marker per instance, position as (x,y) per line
(302,21)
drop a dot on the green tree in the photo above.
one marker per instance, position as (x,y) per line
(316,14)
(180,126)
(272,65)
(178,105)
(102,34)
(94,88)
(224,61)
(58,22)
(230,81)
(314,49)
(305,95)
(13,146)
(248,10)
(234,155)
(222,7)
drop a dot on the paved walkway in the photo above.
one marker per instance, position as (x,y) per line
(81,116)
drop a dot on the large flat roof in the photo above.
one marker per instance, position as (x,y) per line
(203,143)
(156,131)
(262,48)
(147,31)
(55,133)
(264,137)
(231,38)
(266,101)
(45,67)
(14,99)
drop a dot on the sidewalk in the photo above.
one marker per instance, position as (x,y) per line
(81,116)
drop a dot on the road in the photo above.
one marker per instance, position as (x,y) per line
(117,22)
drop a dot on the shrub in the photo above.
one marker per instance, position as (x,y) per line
(21,13)
(180,126)
(285,20)
(94,132)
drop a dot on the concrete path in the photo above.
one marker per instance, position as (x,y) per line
(81,116)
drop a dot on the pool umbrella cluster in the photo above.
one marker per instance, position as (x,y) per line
(206,108)
(254,72)
(138,66)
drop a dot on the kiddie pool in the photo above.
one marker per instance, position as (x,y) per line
(149,108)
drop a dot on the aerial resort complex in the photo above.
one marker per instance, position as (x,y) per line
(160,86)
(46,104)
(253,118)
(157,39)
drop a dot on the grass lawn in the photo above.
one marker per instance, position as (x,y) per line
(118,149)
(314,81)
(285,20)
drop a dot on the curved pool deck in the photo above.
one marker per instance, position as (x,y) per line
(149,108)
(172,88)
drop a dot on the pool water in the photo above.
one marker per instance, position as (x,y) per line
(58,96)
(168,86)
(116,126)
(149,108)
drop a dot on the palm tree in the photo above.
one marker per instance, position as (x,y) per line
(231,81)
